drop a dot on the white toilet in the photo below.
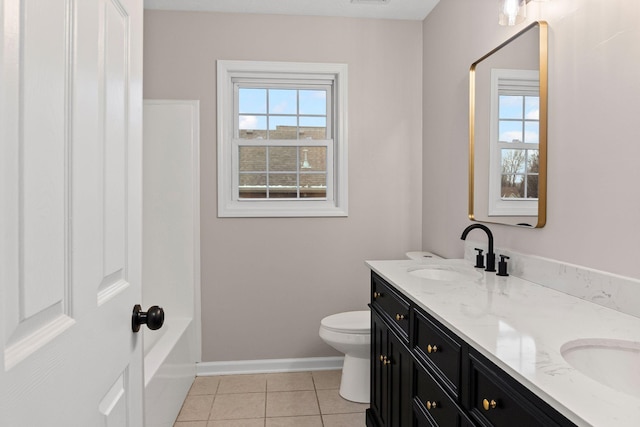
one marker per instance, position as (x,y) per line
(350,333)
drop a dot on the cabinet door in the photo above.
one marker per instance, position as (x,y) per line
(379,378)
(401,379)
(391,376)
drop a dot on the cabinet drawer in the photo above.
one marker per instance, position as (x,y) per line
(420,419)
(432,403)
(393,307)
(498,400)
(439,349)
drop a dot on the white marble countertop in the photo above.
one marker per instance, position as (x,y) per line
(521,326)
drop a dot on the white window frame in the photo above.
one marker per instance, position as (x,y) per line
(229,203)
(522,82)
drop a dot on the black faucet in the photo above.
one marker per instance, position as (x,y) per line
(491,257)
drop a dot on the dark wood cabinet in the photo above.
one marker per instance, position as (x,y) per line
(496,399)
(391,376)
(422,374)
(379,400)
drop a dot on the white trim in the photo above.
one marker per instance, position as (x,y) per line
(228,205)
(269,365)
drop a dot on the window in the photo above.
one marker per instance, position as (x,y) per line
(282,148)
(514,159)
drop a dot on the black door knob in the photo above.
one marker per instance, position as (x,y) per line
(153,318)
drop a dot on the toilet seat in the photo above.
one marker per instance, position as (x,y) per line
(350,322)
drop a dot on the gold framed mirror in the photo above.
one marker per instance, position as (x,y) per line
(508,90)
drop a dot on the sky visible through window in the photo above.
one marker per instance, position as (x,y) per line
(262,108)
(516,111)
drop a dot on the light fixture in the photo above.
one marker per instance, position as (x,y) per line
(511,12)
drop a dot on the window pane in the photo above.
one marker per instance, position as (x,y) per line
(509,131)
(533,161)
(253,186)
(532,186)
(313,185)
(252,101)
(283,127)
(510,107)
(283,101)
(252,127)
(532,107)
(513,161)
(313,159)
(531,132)
(283,159)
(512,187)
(253,159)
(313,102)
(283,185)
(313,128)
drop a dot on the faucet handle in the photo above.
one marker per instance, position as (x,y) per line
(479,259)
(502,266)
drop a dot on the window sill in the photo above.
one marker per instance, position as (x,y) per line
(281,209)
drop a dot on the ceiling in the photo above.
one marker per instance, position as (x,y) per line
(382,9)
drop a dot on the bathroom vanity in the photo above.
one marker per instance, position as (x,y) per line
(455,346)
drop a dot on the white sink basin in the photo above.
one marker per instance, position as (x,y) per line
(614,363)
(445,272)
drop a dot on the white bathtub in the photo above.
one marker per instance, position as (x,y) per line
(170,255)
(169,370)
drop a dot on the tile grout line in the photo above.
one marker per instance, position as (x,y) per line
(315,389)
(215,396)
(266,396)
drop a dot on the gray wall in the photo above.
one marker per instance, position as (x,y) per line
(593,216)
(266,283)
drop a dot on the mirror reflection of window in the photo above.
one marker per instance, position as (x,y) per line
(518,124)
(514,165)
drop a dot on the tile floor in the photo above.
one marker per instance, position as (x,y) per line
(296,399)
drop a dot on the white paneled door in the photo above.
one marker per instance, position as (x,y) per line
(70,188)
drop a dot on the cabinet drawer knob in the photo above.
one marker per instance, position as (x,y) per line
(489,404)
(432,348)
(377,295)
(399,317)
(432,405)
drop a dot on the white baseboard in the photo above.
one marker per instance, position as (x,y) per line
(268,365)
